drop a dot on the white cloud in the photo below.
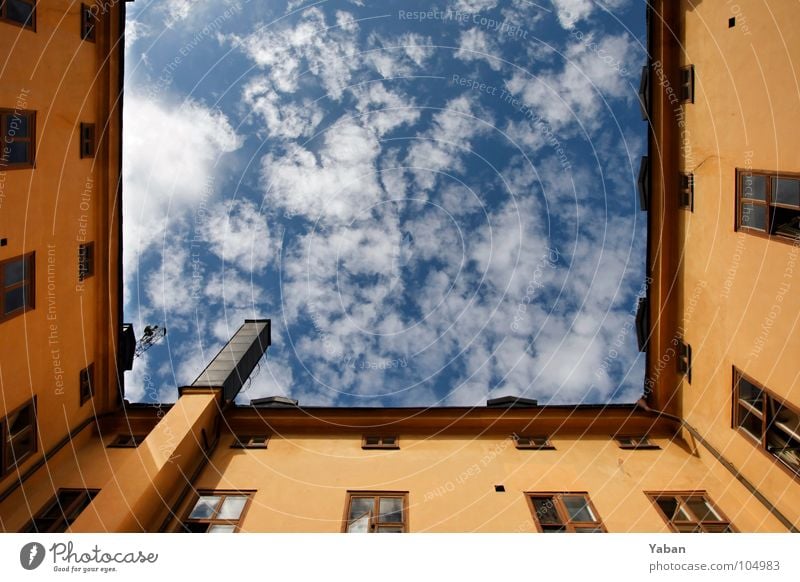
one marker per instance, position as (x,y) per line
(288,119)
(576,93)
(329,52)
(475,5)
(448,141)
(168,168)
(238,234)
(384,110)
(475,45)
(338,184)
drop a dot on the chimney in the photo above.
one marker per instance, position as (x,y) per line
(234,363)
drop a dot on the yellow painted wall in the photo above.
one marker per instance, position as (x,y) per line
(301,481)
(51,209)
(746,114)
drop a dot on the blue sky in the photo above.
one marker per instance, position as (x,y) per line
(434,203)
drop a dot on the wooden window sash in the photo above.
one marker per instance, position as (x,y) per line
(374,514)
(11,458)
(65,516)
(768,401)
(31,25)
(681,499)
(28,279)
(569,525)
(529,442)
(767,204)
(6,115)
(381,444)
(214,520)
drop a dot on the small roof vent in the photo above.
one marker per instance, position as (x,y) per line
(274,402)
(511,402)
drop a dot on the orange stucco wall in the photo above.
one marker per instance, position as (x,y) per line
(733,294)
(51,209)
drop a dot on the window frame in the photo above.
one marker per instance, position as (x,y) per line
(686,191)
(31,26)
(642,442)
(87,138)
(741,174)
(687,85)
(65,510)
(767,397)
(5,115)
(88,27)
(126,441)
(223,494)
(381,445)
(86,374)
(246,441)
(30,273)
(569,525)
(7,465)
(532,445)
(85,261)
(681,497)
(376,496)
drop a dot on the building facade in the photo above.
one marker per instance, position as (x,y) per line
(713,445)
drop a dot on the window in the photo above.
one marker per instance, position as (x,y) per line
(380,442)
(19,12)
(686,201)
(61,511)
(536,443)
(17,147)
(127,441)
(87,383)
(690,512)
(376,512)
(85,261)
(767,420)
(88,22)
(687,84)
(217,512)
(636,442)
(18,431)
(564,512)
(250,442)
(16,286)
(685,360)
(768,203)
(87,140)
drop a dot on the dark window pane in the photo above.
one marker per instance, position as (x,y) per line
(18,152)
(372,441)
(754,216)
(750,394)
(360,505)
(391,510)
(19,11)
(14,300)
(195,527)
(750,422)
(21,420)
(13,272)
(577,508)
(783,446)
(672,509)
(205,507)
(388,441)
(390,529)
(754,187)
(588,530)
(786,191)
(546,510)
(553,529)
(17,125)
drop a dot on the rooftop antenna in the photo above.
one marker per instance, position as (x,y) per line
(152,334)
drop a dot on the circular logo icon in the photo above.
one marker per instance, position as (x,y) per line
(31,555)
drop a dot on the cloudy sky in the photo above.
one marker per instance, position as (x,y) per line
(435,203)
